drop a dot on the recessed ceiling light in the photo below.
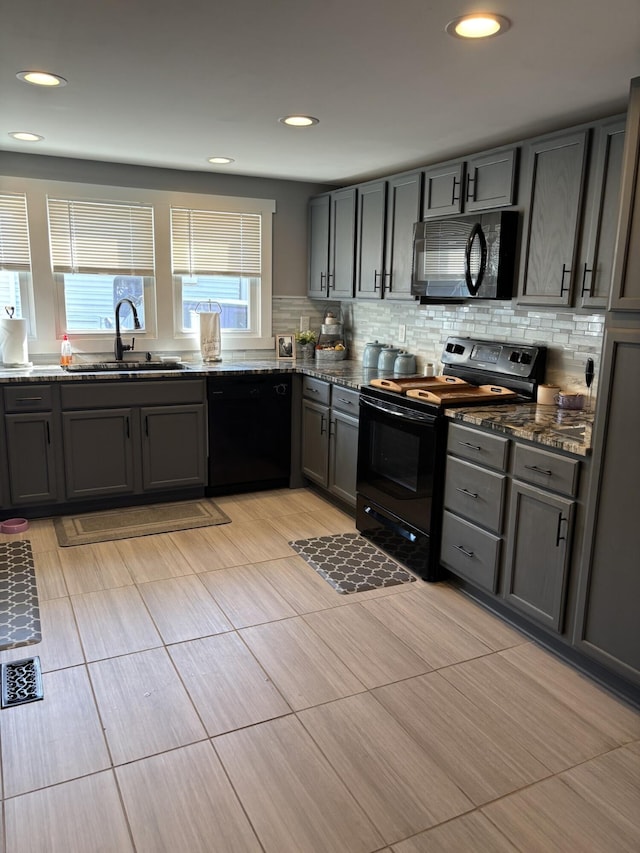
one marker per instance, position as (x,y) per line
(25,136)
(479,25)
(299,121)
(220,161)
(41,78)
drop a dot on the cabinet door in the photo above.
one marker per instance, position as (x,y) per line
(555,169)
(319,210)
(343,456)
(315,441)
(538,551)
(370,240)
(98,452)
(625,291)
(173,446)
(30,455)
(442,190)
(342,248)
(403,211)
(601,215)
(490,180)
(609,588)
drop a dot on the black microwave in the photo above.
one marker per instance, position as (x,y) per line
(465,257)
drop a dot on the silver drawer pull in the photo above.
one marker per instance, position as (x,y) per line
(344,400)
(467,493)
(464,551)
(472,446)
(539,470)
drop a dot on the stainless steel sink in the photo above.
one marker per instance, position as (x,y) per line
(125,366)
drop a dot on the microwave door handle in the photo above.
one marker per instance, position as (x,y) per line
(474,287)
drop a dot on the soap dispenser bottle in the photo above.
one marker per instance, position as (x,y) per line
(65,352)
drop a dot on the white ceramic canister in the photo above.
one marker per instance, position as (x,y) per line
(404,365)
(387,358)
(371,354)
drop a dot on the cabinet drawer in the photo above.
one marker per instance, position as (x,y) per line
(545,469)
(97,395)
(345,400)
(28,398)
(480,447)
(316,389)
(474,493)
(470,552)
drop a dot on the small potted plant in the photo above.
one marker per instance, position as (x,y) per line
(306,343)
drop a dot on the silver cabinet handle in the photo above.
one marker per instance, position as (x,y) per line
(467,493)
(539,470)
(468,444)
(464,551)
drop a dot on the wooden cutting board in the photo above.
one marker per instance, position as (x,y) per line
(461,395)
(413,382)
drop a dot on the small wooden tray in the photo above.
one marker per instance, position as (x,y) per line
(411,382)
(461,395)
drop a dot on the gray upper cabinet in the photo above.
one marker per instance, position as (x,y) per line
(554,176)
(319,213)
(595,270)
(443,190)
(625,291)
(482,182)
(370,239)
(404,196)
(387,211)
(332,226)
(490,180)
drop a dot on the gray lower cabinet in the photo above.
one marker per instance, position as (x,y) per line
(98,452)
(508,520)
(474,500)
(120,446)
(30,426)
(538,552)
(330,437)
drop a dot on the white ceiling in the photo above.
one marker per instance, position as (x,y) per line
(172,82)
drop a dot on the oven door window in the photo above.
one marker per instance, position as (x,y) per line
(397,465)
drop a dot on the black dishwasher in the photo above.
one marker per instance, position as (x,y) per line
(249,433)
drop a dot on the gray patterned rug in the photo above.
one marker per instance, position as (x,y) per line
(19,612)
(350,563)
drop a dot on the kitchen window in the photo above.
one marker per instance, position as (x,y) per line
(101,252)
(217,257)
(15,257)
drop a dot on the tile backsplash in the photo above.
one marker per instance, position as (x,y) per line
(570,336)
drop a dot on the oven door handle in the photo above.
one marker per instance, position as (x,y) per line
(403,414)
(390,524)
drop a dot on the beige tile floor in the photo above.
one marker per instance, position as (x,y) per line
(206,691)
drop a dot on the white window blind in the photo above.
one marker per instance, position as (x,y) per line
(100,237)
(14,233)
(207,242)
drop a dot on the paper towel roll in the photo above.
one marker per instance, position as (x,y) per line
(210,343)
(13,342)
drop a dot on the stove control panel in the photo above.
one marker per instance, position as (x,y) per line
(520,361)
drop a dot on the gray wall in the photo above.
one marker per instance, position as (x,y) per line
(289,224)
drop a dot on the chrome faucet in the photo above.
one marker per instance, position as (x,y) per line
(119,347)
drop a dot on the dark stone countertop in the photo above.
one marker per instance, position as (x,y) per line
(545,425)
